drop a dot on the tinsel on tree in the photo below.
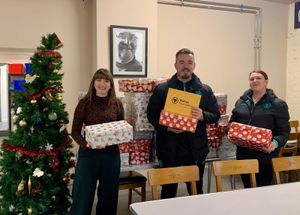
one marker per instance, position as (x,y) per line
(36,158)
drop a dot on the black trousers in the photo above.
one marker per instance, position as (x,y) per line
(93,165)
(265,175)
(170,190)
(180,155)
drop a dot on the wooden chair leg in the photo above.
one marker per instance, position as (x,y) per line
(143,192)
(129,197)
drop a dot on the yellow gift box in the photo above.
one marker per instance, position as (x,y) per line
(181,102)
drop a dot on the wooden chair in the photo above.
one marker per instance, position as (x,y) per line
(292,146)
(132,180)
(234,167)
(285,164)
(171,175)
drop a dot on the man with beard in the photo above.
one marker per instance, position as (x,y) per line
(126,53)
(176,147)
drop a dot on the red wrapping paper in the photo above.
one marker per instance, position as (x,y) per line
(177,121)
(250,136)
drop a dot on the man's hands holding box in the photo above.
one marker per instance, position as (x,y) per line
(181,111)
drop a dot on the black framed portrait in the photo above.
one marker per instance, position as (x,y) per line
(128,51)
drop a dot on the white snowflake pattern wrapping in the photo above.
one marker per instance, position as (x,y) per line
(136,111)
(110,133)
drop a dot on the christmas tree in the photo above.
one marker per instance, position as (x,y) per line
(36,158)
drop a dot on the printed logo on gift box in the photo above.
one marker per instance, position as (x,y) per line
(183,103)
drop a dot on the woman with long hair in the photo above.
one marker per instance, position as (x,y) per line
(100,105)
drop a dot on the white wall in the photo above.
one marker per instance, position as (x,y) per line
(223,43)
(139,13)
(293,68)
(24,22)
(4,94)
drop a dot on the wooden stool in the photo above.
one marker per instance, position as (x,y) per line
(132,180)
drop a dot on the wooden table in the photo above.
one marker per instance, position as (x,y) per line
(271,200)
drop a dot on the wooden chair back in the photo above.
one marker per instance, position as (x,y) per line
(171,175)
(281,164)
(291,147)
(294,124)
(234,167)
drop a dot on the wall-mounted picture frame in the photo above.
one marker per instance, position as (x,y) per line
(128,51)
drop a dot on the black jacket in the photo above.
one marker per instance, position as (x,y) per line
(269,112)
(197,140)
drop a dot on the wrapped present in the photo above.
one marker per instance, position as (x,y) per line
(213,135)
(216,131)
(140,153)
(137,135)
(136,85)
(226,149)
(124,159)
(110,133)
(222,102)
(223,124)
(125,147)
(213,153)
(136,111)
(250,136)
(178,121)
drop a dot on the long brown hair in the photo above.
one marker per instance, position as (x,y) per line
(101,74)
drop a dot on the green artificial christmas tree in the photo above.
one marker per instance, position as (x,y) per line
(36,158)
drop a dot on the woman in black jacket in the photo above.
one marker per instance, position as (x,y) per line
(260,107)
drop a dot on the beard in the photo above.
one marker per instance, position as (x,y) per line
(186,74)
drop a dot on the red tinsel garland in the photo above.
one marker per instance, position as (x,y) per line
(45,91)
(49,53)
(34,154)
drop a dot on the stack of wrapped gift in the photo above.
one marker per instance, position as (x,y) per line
(222,102)
(250,136)
(215,133)
(140,153)
(136,111)
(110,133)
(226,149)
(137,93)
(177,112)
(137,151)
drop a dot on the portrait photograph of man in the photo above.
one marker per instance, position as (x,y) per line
(129,51)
